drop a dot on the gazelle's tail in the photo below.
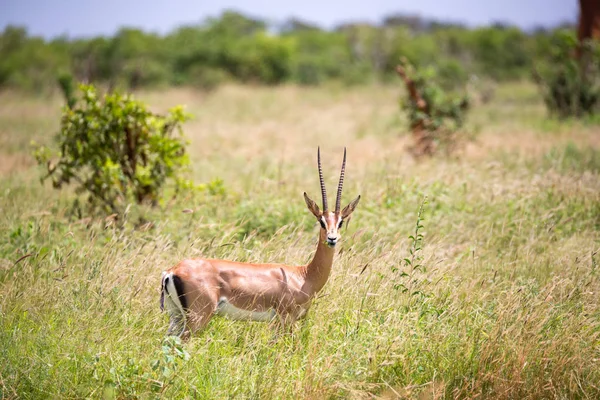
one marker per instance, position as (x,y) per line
(172,298)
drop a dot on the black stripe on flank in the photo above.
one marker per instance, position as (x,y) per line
(180,293)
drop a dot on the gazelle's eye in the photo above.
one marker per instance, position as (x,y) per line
(322,224)
(340,224)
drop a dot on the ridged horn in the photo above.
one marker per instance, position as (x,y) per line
(323,191)
(338,200)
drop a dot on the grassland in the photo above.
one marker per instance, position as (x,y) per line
(505,305)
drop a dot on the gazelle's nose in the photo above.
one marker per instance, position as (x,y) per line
(332,239)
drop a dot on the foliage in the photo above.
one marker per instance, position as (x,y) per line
(67,86)
(570,86)
(116,151)
(502,53)
(319,56)
(206,78)
(406,275)
(30,63)
(136,59)
(436,116)
(234,46)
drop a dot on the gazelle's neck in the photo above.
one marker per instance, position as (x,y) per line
(317,271)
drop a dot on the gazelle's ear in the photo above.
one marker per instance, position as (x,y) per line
(312,206)
(350,207)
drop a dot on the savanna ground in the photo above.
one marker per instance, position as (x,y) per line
(504,306)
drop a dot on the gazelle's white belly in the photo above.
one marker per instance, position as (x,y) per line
(226,309)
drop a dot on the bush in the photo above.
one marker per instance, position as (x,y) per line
(245,49)
(435,116)
(451,75)
(319,56)
(307,72)
(67,87)
(501,52)
(570,87)
(116,151)
(206,78)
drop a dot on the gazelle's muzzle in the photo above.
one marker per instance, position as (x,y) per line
(331,241)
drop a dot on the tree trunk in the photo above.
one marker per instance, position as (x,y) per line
(589,23)
(422,138)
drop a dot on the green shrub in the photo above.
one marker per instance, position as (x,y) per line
(116,151)
(319,56)
(206,78)
(356,74)
(307,72)
(144,73)
(570,87)
(500,52)
(67,87)
(451,75)
(260,58)
(435,115)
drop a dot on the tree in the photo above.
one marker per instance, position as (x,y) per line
(588,24)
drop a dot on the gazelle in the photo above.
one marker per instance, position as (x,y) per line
(194,290)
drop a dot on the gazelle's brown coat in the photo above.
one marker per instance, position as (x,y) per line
(195,290)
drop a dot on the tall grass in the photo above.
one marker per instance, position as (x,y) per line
(504,303)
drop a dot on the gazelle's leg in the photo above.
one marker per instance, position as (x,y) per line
(176,318)
(286,321)
(278,325)
(201,310)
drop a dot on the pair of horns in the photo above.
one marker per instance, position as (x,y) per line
(338,200)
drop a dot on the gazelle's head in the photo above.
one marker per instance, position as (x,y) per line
(331,222)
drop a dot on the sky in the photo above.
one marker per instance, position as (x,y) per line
(86,18)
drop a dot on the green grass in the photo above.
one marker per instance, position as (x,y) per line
(504,304)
